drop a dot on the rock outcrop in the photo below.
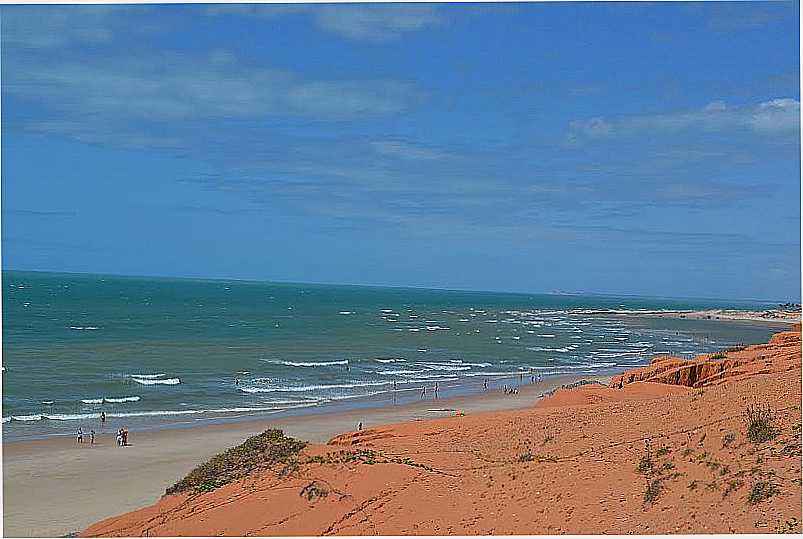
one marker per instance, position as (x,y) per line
(779,354)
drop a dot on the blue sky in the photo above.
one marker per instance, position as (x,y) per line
(631,148)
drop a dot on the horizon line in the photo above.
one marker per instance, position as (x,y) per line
(405,287)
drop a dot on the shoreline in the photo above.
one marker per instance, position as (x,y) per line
(769,316)
(665,448)
(85,484)
(463,388)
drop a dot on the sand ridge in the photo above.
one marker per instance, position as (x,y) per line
(647,458)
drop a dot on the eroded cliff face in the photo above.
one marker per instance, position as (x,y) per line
(779,354)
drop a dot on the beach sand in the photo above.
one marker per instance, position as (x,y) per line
(776,317)
(54,487)
(643,455)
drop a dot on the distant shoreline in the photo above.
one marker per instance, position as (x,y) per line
(770,316)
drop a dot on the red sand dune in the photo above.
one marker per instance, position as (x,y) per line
(568,465)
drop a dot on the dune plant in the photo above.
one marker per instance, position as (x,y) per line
(760,422)
(762,490)
(264,450)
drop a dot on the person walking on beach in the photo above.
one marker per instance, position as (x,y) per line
(103,418)
(436,390)
(92,437)
(423,392)
(120,438)
(485,384)
(359,427)
(125,436)
(80,435)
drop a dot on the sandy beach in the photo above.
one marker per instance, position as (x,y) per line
(54,487)
(672,447)
(770,316)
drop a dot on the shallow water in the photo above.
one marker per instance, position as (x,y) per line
(154,352)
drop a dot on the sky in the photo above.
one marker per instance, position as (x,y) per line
(634,148)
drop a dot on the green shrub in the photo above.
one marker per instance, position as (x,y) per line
(263,450)
(762,490)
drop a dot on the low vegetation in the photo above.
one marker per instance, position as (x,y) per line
(762,490)
(790,526)
(316,489)
(760,423)
(652,491)
(264,450)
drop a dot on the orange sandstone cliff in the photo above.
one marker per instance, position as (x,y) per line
(668,448)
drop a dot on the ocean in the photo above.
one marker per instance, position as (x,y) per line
(161,352)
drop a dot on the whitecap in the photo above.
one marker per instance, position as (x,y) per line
(300,389)
(345,312)
(389,359)
(34,417)
(151,382)
(122,399)
(440,367)
(401,371)
(69,417)
(314,363)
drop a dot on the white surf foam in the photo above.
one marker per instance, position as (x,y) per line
(314,363)
(315,387)
(122,399)
(160,381)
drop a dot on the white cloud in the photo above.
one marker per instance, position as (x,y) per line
(781,116)
(775,115)
(365,22)
(50,27)
(186,88)
(375,22)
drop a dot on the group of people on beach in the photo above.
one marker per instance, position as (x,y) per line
(81,436)
(424,390)
(122,437)
(122,434)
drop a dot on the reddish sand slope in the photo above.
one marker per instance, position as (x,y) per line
(569,465)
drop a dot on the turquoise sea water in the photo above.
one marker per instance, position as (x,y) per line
(152,352)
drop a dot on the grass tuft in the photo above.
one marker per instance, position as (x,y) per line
(652,491)
(760,423)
